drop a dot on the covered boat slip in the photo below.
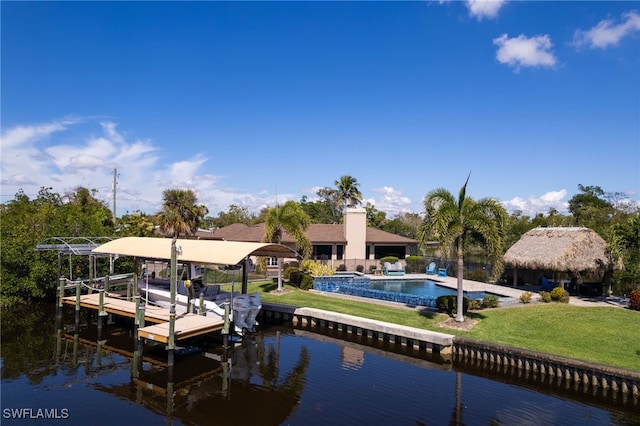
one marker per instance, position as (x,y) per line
(217,252)
(186,324)
(171,326)
(195,251)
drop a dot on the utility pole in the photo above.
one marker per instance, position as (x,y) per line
(115,174)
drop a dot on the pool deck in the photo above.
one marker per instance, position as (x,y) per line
(500,290)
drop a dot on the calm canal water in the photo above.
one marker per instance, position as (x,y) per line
(281,376)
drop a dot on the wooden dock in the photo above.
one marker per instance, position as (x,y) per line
(186,324)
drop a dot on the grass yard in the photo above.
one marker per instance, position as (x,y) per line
(604,335)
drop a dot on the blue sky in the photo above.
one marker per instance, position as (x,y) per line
(252,102)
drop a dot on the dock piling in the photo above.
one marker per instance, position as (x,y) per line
(61,284)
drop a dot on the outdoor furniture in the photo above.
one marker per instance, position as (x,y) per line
(393,269)
(442,272)
(431,269)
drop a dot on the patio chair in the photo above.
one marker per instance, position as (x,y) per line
(442,272)
(431,269)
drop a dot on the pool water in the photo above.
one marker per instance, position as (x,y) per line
(410,292)
(423,288)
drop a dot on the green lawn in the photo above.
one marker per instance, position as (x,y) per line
(605,335)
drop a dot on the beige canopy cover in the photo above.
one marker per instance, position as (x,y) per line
(560,249)
(197,251)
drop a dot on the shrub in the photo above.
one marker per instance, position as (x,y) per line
(390,259)
(414,264)
(315,268)
(490,301)
(293,274)
(479,275)
(306,282)
(449,304)
(342,267)
(545,296)
(634,300)
(526,297)
(475,305)
(559,294)
(360,268)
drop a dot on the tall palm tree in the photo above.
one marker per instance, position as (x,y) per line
(451,221)
(180,215)
(348,190)
(291,218)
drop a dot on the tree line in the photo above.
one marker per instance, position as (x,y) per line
(466,228)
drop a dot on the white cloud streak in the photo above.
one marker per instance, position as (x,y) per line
(481,9)
(607,33)
(522,51)
(533,206)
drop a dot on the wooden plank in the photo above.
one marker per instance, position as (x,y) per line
(118,306)
(186,326)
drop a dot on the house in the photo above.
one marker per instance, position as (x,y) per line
(351,243)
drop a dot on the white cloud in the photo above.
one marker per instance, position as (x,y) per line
(525,52)
(484,8)
(533,206)
(84,159)
(18,180)
(606,33)
(25,135)
(391,201)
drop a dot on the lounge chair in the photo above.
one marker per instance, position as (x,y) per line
(442,272)
(393,269)
(545,284)
(431,269)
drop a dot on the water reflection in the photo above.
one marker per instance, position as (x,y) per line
(207,383)
(282,375)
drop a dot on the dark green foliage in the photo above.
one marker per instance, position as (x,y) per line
(307,282)
(449,304)
(293,274)
(634,300)
(415,264)
(475,305)
(28,274)
(479,275)
(490,301)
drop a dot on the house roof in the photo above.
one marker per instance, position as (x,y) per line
(560,249)
(318,234)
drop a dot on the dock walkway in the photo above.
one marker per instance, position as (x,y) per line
(186,324)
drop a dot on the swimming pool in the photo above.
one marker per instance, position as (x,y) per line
(422,288)
(411,292)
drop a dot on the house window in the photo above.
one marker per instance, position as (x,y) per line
(397,251)
(272,261)
(321,252)
(339,252)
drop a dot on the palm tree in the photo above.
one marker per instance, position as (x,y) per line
(348,190)
(451,222)
(292,219)
(180,215)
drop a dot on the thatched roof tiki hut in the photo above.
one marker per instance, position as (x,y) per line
(577,251)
